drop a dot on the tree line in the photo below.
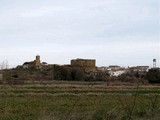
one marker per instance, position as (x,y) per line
(57,72)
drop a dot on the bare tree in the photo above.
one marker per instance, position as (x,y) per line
(4,65)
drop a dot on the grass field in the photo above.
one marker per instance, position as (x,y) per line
(79,101)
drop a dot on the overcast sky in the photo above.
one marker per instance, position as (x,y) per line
(114,32)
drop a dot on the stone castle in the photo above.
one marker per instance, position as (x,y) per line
(87,64)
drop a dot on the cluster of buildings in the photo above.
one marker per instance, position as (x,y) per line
(89,66)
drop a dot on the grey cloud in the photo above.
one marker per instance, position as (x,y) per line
(79,27)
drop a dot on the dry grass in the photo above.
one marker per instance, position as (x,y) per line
(78,101)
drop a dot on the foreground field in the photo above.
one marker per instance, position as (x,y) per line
(79,101)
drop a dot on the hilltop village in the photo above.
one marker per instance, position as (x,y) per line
(87,65)
(78,69)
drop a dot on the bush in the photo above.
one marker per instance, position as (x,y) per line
(14,82)
(153,75)
(77,74)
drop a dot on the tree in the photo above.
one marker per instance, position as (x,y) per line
(77,74)
(153,75)
(65,73)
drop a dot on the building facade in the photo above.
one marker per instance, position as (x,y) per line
(88,65)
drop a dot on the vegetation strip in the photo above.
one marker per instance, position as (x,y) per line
(80,91)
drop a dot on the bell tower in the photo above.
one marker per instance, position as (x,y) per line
(37,61)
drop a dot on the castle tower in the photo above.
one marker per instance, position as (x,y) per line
(37,61)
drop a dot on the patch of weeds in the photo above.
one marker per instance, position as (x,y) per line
(141,113)
(105,113)
(100,114)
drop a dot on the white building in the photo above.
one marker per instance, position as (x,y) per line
(115,70)
(116,73)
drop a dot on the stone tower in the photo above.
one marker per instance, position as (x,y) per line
(37,61)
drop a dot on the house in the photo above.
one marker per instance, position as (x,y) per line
(139,68)
(117,73)
(114,67)
(102,68)
(140,71)
(115,70)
